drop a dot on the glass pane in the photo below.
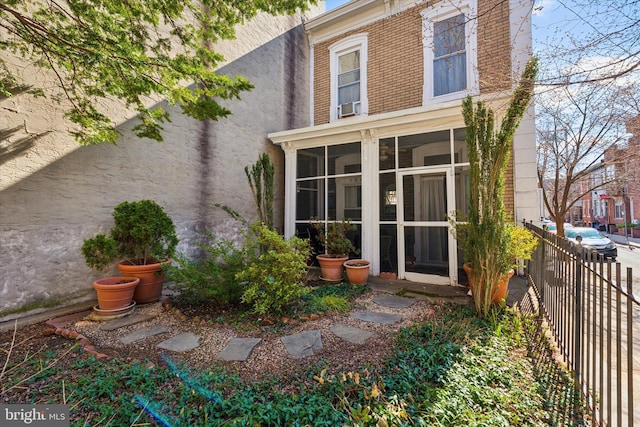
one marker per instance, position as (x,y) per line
(349,94)
(331,199)
(345,198)
(387,154)
(388,197)
(310,199)
(388,248)
(344,158)
(356,238)
(462,191)
(427,250)
(450,74)
(449,36)
(349,61)
(310,162)
(348,77)
(426,149)
(460,154)
(425,197)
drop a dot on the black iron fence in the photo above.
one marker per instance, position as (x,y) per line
(590,312)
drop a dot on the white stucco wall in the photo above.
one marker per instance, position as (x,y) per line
(54,194)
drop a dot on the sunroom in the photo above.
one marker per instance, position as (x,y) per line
(397,176)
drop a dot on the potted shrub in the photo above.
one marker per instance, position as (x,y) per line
(487,236)
(144,239)
(520,247)
(337,246)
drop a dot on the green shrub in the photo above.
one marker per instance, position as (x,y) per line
(275,277)
(143,234)
(212,278)
(629,225)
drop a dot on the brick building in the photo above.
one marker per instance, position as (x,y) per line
(385,146)
(619,202)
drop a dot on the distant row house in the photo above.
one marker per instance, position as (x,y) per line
(617,203)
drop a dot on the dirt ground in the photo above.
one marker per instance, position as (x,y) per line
(214,326)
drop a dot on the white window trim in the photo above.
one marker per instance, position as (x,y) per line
(440,12)
(349,44)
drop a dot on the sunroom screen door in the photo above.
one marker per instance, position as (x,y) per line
(424,228)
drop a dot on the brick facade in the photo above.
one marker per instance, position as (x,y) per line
(395,66)
(494,46)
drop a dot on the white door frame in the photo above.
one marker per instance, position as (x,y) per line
(452,253)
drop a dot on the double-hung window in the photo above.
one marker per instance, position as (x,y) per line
(349,77)
(450,41)
(449,56)
(348,83)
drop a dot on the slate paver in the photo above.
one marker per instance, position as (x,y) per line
(377,317)
(112,325)
(394,301)
(180,343)
(142,333)
(303,344)
(238,349)
(351,334)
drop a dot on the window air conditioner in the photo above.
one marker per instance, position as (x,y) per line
(346,110)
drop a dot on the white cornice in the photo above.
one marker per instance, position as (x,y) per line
(353,15)
(351,128)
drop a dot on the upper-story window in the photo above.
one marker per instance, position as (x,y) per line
(349,77)
(450,39)
(348,81)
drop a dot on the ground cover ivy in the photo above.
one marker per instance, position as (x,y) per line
(455,370)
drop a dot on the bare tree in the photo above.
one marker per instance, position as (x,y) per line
(575,126)
(588,41)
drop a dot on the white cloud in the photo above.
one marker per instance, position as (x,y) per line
(542,7)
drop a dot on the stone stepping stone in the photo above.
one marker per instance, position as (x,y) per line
(112,325)
(377,317)
(351,334)
(143,333)
(238,349)
(303,344)
(180,343)
(394,301)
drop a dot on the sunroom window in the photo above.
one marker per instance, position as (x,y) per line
(329,187)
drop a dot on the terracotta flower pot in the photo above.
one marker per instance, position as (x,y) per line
(151,280)
(499,292)
(331,268)
(357,271)
(115,292)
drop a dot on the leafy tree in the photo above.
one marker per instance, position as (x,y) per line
(129,50)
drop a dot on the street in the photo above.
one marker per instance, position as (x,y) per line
(630,257)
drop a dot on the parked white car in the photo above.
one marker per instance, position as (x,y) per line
(594,240)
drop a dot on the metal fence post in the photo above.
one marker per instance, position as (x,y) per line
(577,363)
